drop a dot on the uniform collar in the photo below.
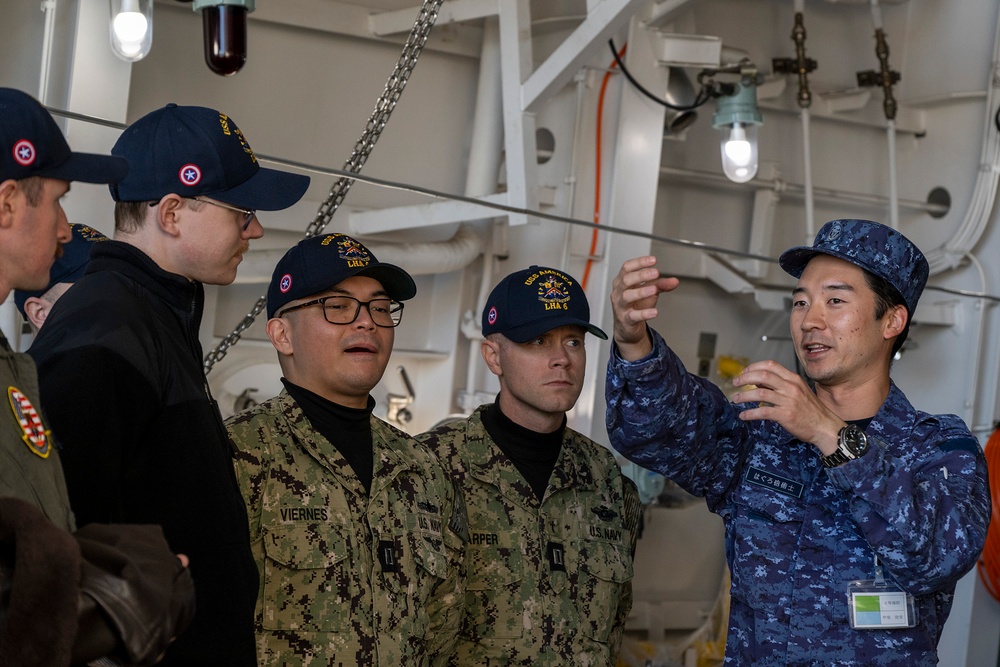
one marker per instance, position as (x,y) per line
(390,453)
(487,463)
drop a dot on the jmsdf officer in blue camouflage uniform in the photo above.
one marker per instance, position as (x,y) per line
(552,521)
(849,514)
(356,529)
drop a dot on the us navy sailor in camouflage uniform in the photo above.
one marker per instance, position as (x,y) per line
(552,521)
(818,487)
(356,529)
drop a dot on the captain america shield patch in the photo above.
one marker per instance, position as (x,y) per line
(190,174)
(33,431)
(24,152)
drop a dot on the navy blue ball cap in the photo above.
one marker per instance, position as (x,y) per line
(193,151)
(319,263)
(31,144)
(874,247)
(70,265)
(530,302)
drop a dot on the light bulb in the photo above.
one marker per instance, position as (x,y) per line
(225,31)
(739,152)
(131,28)
(737,117)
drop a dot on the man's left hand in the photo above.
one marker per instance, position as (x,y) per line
(784,397)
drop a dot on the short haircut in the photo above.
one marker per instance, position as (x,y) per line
(130,215)
(32,188)
(886,297)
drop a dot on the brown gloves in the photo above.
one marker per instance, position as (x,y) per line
(132,582)
(117,589)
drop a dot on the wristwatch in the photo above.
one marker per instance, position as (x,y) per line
(851,444)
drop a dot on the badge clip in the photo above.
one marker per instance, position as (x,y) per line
(875,604)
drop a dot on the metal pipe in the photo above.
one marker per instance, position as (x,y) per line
(784,187)
(49,7)
(890,135)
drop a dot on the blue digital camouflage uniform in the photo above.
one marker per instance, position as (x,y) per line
(547,583)
(798,533)
(348,578)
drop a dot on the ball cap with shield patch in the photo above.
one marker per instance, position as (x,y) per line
(319,263)
(196,151)
(874,247)
(31,144)
(70,265)
(530,302)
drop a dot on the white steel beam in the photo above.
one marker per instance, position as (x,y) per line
(603,20)
(519,126)
(383,220)
(453,11)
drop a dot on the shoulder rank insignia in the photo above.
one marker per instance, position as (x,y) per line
(33,431)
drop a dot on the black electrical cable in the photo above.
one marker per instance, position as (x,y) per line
(996,119)
(700,99)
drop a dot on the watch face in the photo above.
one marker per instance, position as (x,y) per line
(854,440)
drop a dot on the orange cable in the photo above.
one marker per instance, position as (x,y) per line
(597,175)
(989,561)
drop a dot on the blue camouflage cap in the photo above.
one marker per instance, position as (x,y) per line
(70,265)
(530,302)
(321,262)
(874,247)
(192,151)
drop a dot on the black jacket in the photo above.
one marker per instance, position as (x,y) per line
(121,377)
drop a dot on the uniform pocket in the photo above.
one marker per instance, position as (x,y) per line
(493,586)
(765,538)
(307,583)
(604,569)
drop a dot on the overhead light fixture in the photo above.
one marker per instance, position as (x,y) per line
(224,23)
(131,28)
(737,116)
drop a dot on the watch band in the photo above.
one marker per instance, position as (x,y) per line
(851,444)
(835,459)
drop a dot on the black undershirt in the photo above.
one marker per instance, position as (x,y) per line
(860,423)
(348,429)
(533,454)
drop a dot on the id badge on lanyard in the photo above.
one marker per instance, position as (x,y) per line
(875,604)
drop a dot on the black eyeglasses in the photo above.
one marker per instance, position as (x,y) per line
(345,310)
(248,216)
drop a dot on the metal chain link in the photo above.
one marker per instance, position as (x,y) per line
(384,107)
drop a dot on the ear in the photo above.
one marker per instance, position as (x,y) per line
(279,331)
(36,310)
(895,321)
(9,202)
(170,212)
(490,350)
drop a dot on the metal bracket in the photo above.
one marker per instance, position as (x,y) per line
(398,403)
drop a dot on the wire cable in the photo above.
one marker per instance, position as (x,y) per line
(597,168)
(703,96)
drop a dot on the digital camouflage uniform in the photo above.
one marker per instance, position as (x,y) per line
(548,583)
(798,533)
(346,578)
(30,469)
